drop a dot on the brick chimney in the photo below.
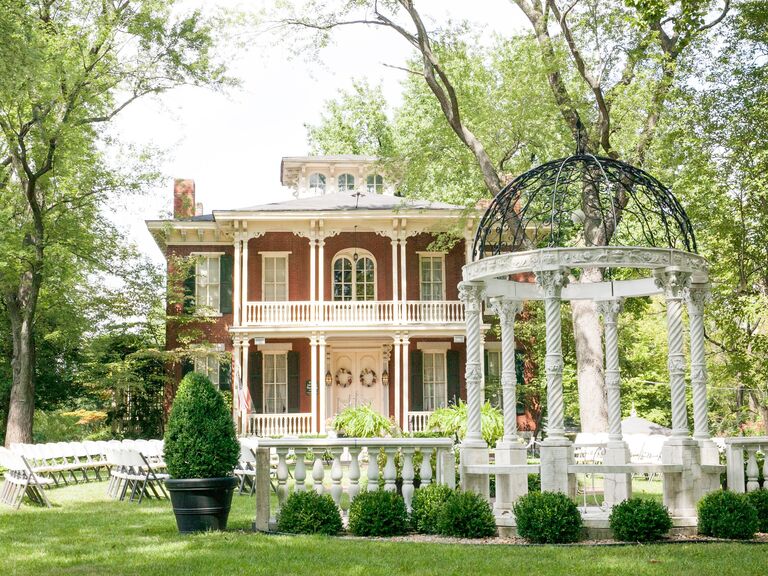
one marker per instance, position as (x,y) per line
(183,198)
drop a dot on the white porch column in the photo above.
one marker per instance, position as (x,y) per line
(406,382)
(474,450)
(244,287)
(509,451)
(403,278)
(323,412)
(321,271)
(246,407)
(618,487)
(236,321)
(312,271)
(395,298)
(314,408)
(237,387)
(398,378)
(557,450)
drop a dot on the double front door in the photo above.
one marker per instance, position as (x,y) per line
(356,379)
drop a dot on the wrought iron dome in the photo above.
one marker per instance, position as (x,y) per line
(582,200)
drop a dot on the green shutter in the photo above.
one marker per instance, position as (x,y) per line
(256,380)
(294,388)
(453,376)
(225,374)
(189,290)
(417,380)
(226,271)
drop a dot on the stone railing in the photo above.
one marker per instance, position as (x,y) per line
(279,424)
(337,466)
(741,450)
(417,421)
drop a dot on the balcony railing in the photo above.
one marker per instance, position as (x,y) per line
(741,455)
(353,313)
(279,424)
(417,421)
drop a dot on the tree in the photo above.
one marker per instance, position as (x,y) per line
(623,89)
(66,69)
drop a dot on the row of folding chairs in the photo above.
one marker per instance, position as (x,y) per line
(64,461)
(20,480)
(132,471)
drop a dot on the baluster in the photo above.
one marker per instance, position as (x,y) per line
(336,476)
(390,472)
(300,470)
(425,472)
(408,477)
(764,450)
(318,471)
(752,470)
(282,477)
(373,470)
(354,473)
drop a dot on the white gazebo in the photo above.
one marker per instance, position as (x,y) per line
(587,228)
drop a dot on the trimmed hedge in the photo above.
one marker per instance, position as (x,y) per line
(639,520)
(759,499)
(200,439)
(548,518)
(308,512)
(427,505)
(378,513)
(466,515)
(724,514)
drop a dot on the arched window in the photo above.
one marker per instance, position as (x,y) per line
(375,184)
(354,279)
(317,183)
(346,182)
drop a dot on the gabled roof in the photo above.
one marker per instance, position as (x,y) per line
(341,201)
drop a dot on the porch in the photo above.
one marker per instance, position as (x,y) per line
(300,424)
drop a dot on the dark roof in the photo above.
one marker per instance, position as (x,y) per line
(350,201)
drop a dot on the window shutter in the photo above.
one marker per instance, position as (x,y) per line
(256,380)
(189,291)
(225,374)
(294,388)
(417,380)
(453,376)
(226,271)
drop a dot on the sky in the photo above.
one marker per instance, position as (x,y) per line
(231,143)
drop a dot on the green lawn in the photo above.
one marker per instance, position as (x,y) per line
(87,533)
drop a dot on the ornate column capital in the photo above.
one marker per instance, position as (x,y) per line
(471,294)
(673,282)
(697,297)
(506,309)
(610,309)
(552,281)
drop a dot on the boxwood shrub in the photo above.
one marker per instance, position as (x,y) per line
(759,499)
(724,514)
(466,515)
(548,518)
(200,439)
(427,505)
(308,512)
(639,520)
(378,513)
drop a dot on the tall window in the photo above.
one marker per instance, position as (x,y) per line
(431,281)
(317,183)
(209,364)
(207,283)
(275,383)
(346,182)
(375,184)
(354,280)
(435,383)
(275,277)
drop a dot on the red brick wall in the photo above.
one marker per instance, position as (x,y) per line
(298,263)
(379,246)
(454,260)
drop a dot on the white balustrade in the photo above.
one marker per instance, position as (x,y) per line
(741,450)
(343,475)
(417,421)
(283,424)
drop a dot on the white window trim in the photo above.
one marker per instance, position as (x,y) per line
(209,311)
(440,255)
(283,254)
(214,349)
(445,375)
(361,253)
(273,352)
(374,174)
(433,346)
(354,182)
(275,347)
(325,183)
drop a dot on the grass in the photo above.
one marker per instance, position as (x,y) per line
(87,533)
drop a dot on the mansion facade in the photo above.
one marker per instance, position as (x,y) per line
(334,297)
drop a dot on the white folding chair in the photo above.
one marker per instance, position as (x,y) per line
(21,480)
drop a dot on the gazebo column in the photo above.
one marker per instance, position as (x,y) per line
(509,450)
(474,450)
(698,295)
(556,449)
(680,488)
(618,487)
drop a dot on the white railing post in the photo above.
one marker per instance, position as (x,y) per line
(354,473)
(425,471)
(336,476)
(282,477)
(390,472)
(373,470)
(318,471)
(300,471)
(408,474)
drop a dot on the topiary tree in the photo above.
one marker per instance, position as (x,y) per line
(724,514)
(378,513)
(426,507)
(200,439)
(639,520)
(548,518)
(466,515)
(309,513)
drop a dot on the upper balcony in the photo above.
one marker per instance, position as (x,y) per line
(353,313)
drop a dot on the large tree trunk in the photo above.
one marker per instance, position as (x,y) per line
(22,405)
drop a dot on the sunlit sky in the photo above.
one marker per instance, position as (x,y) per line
(231,143)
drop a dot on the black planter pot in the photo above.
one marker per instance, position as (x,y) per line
(201,504)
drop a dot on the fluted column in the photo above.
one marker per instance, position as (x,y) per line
(406,381)
(321,271)
(553,282)
(610,311)
(236,282)
(395,298)
(314,381)
(403,279)
(674,283)
(244,278)
(312,268)
(471,294)
(398,378)
(323,412)
(507,310)
(697,298)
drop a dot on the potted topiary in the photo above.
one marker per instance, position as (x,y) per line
(201,451)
